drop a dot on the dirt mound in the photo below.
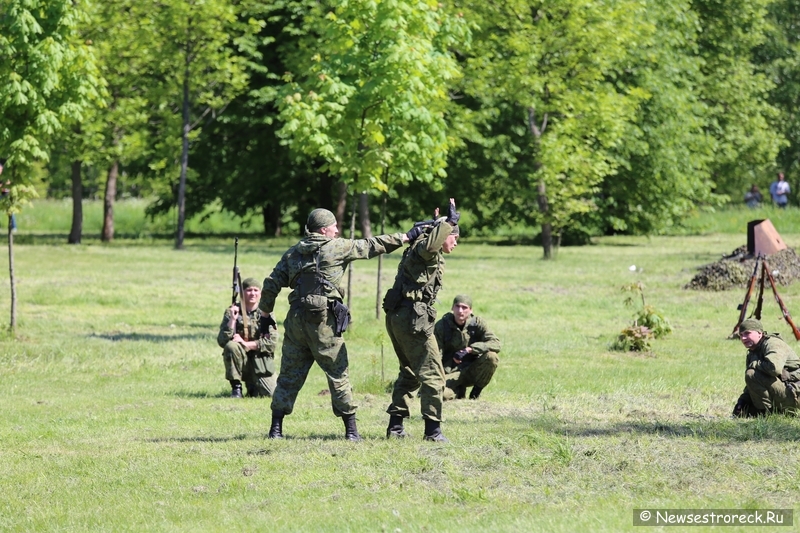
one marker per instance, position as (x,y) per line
(733,271)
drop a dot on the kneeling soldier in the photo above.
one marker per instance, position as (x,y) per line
(249,356)
(469,350)
(773,371)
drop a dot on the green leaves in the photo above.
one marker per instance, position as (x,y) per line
(50,76)
(368,90)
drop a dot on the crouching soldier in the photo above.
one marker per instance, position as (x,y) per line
(249,355)
(469,350)
(772,374)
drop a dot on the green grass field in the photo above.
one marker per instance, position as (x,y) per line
(115,415)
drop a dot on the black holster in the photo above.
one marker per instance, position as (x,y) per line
(342,315)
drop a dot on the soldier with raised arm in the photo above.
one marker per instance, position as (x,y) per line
(313,268)
(410,317)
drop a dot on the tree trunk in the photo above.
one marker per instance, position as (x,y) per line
(352,236)
(77,205)
(341,205)
(13,325)
(363,215)
(271,214)
(547,231)
(108,203)
(184,161)
(378,300)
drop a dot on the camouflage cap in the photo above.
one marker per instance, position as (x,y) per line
(320,218)
(250,282)
(751,324)
(463,299)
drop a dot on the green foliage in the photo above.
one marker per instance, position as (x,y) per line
(634,338)
(49,77)
(367,89)
(778,58)
(740,118)
(18,197)
(648,322)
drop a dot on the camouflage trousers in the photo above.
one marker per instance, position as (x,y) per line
(305,342)
(411,333)
(249,368)
(770,393)
(478,373)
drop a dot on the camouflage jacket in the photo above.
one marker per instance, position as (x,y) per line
(334,256)
(266,346)
(474,333)
(772,356)
(419,275)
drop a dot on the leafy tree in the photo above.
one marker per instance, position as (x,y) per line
(240,162)
(545,106)
(116,133)
(778,59)
(667,149)
(197,71)
(739,116)
(49,79)
(369,90)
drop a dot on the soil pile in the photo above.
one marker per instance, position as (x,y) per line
(733,271)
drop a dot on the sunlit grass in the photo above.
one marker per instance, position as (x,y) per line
(116,416)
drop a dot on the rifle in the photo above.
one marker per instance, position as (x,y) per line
(237,289)
(785,311)
(743,308)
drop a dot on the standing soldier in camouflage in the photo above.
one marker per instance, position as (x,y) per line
(410,316)
(772,375)
(313,328)
(469,350)
(248,355)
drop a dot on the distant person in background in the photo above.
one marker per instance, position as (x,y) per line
(772,375)
(779,190)
(249,353)
(753,198)
(12,221)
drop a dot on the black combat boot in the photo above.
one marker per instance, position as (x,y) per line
(276,427)
(395,429)
(475,393)
(350,429)
(461,392)
(236,388)
(433,431)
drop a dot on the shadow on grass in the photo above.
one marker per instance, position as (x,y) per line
(775,428)
(201,394)
(200,439)
(148,337)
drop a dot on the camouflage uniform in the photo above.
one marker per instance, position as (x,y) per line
(256,368)
(309,330)
(772,375)
(479,367)
(410,317)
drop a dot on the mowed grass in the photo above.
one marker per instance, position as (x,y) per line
(116,415)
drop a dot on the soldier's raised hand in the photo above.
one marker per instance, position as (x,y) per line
(452,214)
